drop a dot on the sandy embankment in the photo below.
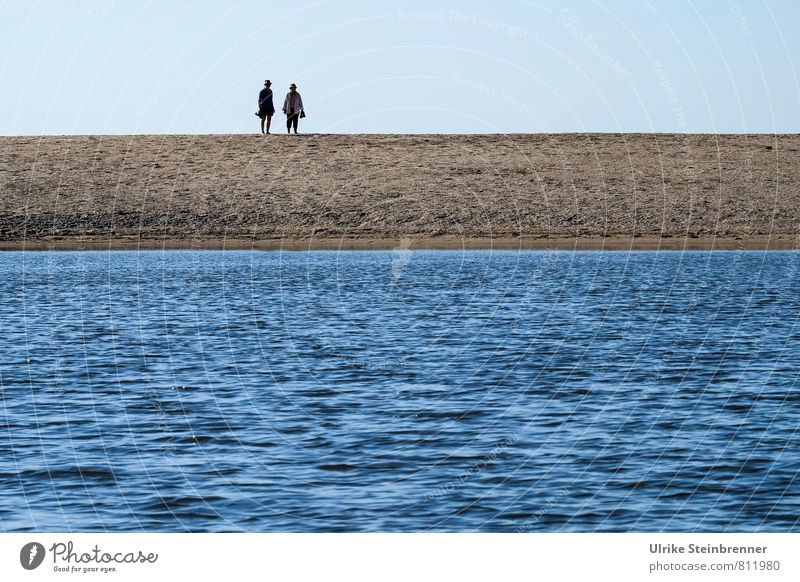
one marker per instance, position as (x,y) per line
(374,191)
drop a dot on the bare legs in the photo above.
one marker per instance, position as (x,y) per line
(268,119)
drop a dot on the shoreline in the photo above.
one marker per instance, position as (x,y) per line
(617,244)
(356,191)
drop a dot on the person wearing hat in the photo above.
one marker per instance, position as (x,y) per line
(293,108)
(266,109)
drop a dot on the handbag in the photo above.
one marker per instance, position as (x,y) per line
(302,114)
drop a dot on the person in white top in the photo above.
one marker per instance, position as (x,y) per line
(293,108)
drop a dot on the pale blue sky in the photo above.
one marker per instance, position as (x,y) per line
(121,67)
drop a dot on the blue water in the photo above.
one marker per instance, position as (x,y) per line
(400,391)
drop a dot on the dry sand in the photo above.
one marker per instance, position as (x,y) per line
(374,191)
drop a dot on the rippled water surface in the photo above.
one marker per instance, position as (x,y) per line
(401,391)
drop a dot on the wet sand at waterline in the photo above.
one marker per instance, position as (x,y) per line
(612,191)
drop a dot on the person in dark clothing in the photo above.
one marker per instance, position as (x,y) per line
(293,108)
(266,109)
